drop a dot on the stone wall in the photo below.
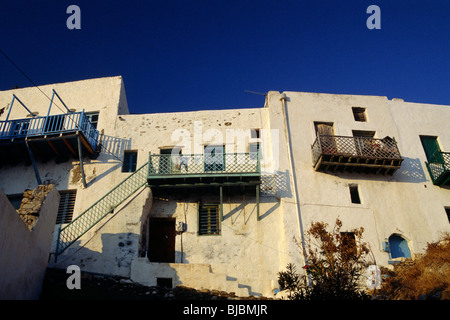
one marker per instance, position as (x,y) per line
(31,204)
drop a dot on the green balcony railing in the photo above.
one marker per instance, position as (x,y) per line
(439,167)
(200,165)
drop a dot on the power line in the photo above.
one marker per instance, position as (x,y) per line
(28,78)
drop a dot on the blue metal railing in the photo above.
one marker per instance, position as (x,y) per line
(52,124)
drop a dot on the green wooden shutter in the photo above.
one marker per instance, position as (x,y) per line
(431,148)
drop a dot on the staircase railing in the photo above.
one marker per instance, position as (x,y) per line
(92,215)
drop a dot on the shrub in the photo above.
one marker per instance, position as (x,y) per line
(335,263)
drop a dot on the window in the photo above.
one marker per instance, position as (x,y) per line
(354,193)
(324,128)
(359,114)
(431,147)
(447,210)
(214,158)
(93,118)
(254,133)
(129,161)
(208,219)
(349,242)
(66,206)
(398,247)
(254,150)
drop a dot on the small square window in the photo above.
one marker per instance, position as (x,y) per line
(208,219)
(254,133)
(93,118)
(354,193)
(359,114)
(129,161)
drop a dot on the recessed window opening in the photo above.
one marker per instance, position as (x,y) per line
(208,219)
(354,193)
(255,133)
(359,114)
(398,247)
(129,161)
(93,118)
(447,210)
(66,206)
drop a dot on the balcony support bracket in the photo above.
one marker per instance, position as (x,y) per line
(80,152)
(33,162)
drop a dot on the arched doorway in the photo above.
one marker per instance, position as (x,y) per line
(398,247)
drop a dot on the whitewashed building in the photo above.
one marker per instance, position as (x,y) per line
(214,199)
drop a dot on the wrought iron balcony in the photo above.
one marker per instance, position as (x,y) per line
(356,154)
(439,168)
(203,169)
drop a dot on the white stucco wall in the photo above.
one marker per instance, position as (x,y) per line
(406,203)
(23,253)
(248,254)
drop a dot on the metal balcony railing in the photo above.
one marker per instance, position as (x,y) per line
(167,165)
(50,125)
(439,167)
(355,151)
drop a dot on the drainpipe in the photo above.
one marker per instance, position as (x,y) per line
(287,133)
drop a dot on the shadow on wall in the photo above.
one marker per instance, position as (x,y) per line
(276,184)
(118,250)
(113,146)
(411,171)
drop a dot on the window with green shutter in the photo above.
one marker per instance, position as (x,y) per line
(208,219)
(66,206)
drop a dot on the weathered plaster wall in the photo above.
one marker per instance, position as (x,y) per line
(406,203)
(24,253)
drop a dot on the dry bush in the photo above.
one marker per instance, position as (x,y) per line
(427,276)
(335,264)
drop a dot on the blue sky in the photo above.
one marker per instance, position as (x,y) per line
(193,55)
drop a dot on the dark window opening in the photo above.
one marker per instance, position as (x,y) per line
(129,161)
(93,118)
(66,206)
(255,134)
(349,242)
(447,210)
(354,194)
(164,282)
(359,114)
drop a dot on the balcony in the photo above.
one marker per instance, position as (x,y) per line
(439,168)
(190,170)
(356,154)
(50,136)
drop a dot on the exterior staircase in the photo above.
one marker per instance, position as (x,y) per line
(92,215)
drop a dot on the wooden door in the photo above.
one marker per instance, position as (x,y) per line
(161,240)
